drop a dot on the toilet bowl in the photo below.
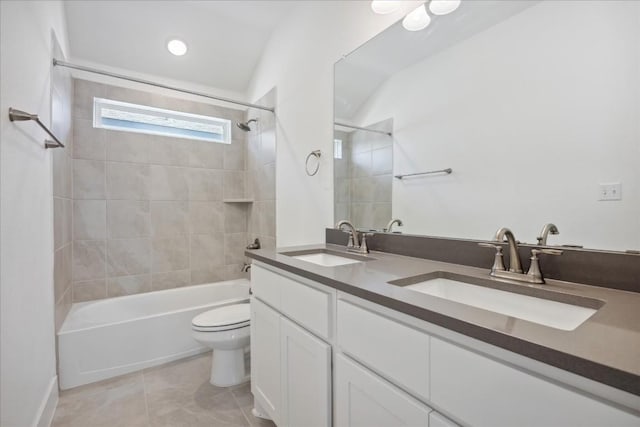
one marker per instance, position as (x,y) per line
(226,331)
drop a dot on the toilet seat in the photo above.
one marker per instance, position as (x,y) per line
(225,318)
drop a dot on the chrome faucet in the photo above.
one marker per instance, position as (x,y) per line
(393,221)
(514,256)
(546,230)
(534,275)
(354,245)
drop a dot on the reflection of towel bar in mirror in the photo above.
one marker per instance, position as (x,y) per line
(345,125)
(446,171)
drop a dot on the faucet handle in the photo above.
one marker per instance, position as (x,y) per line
(363,243)
(498,260)
(535,252)
(534,269)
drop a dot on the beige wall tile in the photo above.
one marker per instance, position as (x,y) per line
(128,285)
(127,181)
(234,155)
(169,218)
(84,92)
(128,219)
(62,307)
(206,217)
(207,250)
(171,279)
(233,187)
(61,222)
(130,147)
(62,174)
(89,142)
(205,154)
(89,219)
(205,184)
(235,217)
(89,257)
(62,271)
(169,151)
(89,290)
(234,246)
(88,179)
(128,257)
(209,275)
(170,254)
(169,183)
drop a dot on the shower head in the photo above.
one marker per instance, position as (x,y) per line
(245,126)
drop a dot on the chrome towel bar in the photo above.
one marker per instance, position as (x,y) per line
(19,116)
(446,171)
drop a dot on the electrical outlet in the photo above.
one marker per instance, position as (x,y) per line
(611,191)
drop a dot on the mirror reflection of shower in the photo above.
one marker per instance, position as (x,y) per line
(245,125)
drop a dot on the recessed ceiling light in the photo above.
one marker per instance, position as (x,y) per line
(442,7)
(417,20)
(383,7)
(177,47)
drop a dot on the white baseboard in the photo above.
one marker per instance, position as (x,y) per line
(48,405)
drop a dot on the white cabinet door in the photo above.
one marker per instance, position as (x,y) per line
(365,400)
(481,391)
(265,358)
(306,378)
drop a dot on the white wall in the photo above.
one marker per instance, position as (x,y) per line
(28,383)
(299,60)
(531,114)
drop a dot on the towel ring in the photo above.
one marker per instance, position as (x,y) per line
(314,154)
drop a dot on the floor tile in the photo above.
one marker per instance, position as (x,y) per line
(115,402)
(176,394)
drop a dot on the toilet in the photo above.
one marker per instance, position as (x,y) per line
(226,331)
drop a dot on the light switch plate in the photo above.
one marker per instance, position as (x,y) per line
(611,191)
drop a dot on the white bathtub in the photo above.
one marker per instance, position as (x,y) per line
(105,338)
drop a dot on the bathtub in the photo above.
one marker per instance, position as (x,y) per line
(105,338)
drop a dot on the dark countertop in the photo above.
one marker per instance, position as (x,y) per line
(605,348)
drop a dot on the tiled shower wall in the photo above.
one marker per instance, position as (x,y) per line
(148,211)
(61,126)
(363,178)
(261,166)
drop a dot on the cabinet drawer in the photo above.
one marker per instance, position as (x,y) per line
(307,305)
(484,392)
(396,351)
(265,285)
(365,400)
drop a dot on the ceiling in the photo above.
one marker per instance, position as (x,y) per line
(225,38)
(363,71)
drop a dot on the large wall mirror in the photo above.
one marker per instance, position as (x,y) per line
(533,105)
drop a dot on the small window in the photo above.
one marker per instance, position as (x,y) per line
(122,116)
(337,148)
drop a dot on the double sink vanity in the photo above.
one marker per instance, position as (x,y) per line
(383,339)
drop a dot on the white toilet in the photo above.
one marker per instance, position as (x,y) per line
(226,331)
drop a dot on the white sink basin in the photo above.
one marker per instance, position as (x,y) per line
(554,314)
(326,260)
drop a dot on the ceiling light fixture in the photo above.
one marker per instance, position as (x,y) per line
(417,20)
(442,7)
(384,7)
(177,47)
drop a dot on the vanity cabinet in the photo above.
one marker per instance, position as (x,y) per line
(391,369)
(291,367)
(363,399)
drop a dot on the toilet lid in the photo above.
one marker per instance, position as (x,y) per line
(224,318)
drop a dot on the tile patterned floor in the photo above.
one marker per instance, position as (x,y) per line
(173,395)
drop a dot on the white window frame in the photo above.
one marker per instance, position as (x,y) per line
(197,120)
(337,148)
